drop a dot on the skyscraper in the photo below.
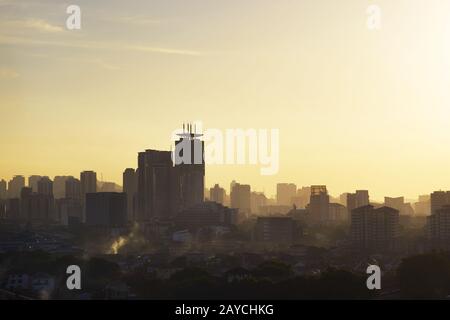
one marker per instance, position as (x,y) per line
(374,228)
(189,175)
(286,192)
(106,209)
(33,182)
(15,186)
(154,187)
(59,186)
(217,194)
(72,188)
(166,186)
(88,180)
(439,199)
(358,199)
(45,186)
(240,198)
(130,181)
(3,190)
(319,203)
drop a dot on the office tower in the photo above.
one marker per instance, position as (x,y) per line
(217,194)
(206,214)
(240,198)
(258,200)
(106,209)
(337,212)
(374,228)
(439,199)
(286,192)
(69,211)
(59,186)
(275,230)
(154,190)
(36,206)
(166,188)
(438,225)
(3,190)
(130,181)
(189,170)
(423,206)
(399,204)
(72,188)
(15,186)
(33,182)
(302,198)
(319,203)
(88,180)
(45,186)
(358,199)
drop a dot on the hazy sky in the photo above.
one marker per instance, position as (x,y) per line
(355,108)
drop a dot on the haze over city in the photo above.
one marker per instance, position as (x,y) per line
(355,108)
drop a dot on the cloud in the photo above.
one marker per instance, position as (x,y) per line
(136,20)
(33,24)
(96,45)
(7,73)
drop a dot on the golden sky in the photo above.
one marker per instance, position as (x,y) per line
(356,108)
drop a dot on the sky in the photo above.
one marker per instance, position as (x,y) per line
(355,108)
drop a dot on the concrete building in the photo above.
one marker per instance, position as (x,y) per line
(438,226)
(374,228)
(59,186)
(358,199)
(15,186)
(36,207)
(275,230)
(438,200)
(33,182)
(130,182)
(217,194)
(106,209)
(206,214)
(286,192)
(319,203)
(88,182)
(45,186)
(240,198)
(3,190)
(73,188)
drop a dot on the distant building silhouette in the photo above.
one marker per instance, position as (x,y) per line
(167,186)
(33,182)
(438,227)
(59,186)
(3,190)
(240,198)
(286,192)
(36,207)
(88,180)
(217,194)
(275,230)
(374,228)
(106,209)
(206,214)
(439,199)
(358,199)
(15,186)
(130,182)
(319,203)
(73,188)
(45,186)
(258,200)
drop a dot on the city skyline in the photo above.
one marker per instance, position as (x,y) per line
(356,109)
